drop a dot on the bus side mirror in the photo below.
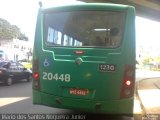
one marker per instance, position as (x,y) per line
(114,31)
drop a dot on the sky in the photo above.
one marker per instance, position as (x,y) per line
(23,13)
(147,32)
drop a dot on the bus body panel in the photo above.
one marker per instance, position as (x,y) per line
(71,80)
(86,76)
(121,107)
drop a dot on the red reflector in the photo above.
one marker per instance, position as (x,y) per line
(36,75)
(79,52)
(128,82)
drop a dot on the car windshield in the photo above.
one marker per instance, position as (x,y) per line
(2,64)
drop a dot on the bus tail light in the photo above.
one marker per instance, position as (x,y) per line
(36,76)
(127,89)
(128,82)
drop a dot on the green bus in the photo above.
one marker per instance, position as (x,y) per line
(84,58)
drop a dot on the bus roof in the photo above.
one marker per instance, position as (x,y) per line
(86,6)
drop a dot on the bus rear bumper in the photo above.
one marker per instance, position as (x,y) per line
(124,106)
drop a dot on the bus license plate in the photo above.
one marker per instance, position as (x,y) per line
(79,92)
(106,67)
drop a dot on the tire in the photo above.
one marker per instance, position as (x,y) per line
(29,78)
(9,81)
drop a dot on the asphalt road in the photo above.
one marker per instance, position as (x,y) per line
(144,74)
(17,98)
(149,93)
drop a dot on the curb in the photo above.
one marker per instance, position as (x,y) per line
(138,96)
(141,103)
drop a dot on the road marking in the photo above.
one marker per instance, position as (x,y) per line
(137,107)
(155,84)
(10,100)
(151,98)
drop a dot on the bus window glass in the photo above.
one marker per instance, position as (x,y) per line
(88,29)
(77,43)
(67,41)
(54,37)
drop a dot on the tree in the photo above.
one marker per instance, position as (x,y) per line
(15,31)
(147,60)
(5,28)
(8,31)
(23,37)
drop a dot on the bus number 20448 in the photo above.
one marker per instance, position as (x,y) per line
(56,76)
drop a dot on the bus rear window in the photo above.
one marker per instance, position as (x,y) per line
(84,28)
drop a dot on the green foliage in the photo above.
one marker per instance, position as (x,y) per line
(151,60)
(147,60)
(8,31)
(157,59)
(22,37)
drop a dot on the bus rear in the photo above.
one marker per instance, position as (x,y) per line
(84,58)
